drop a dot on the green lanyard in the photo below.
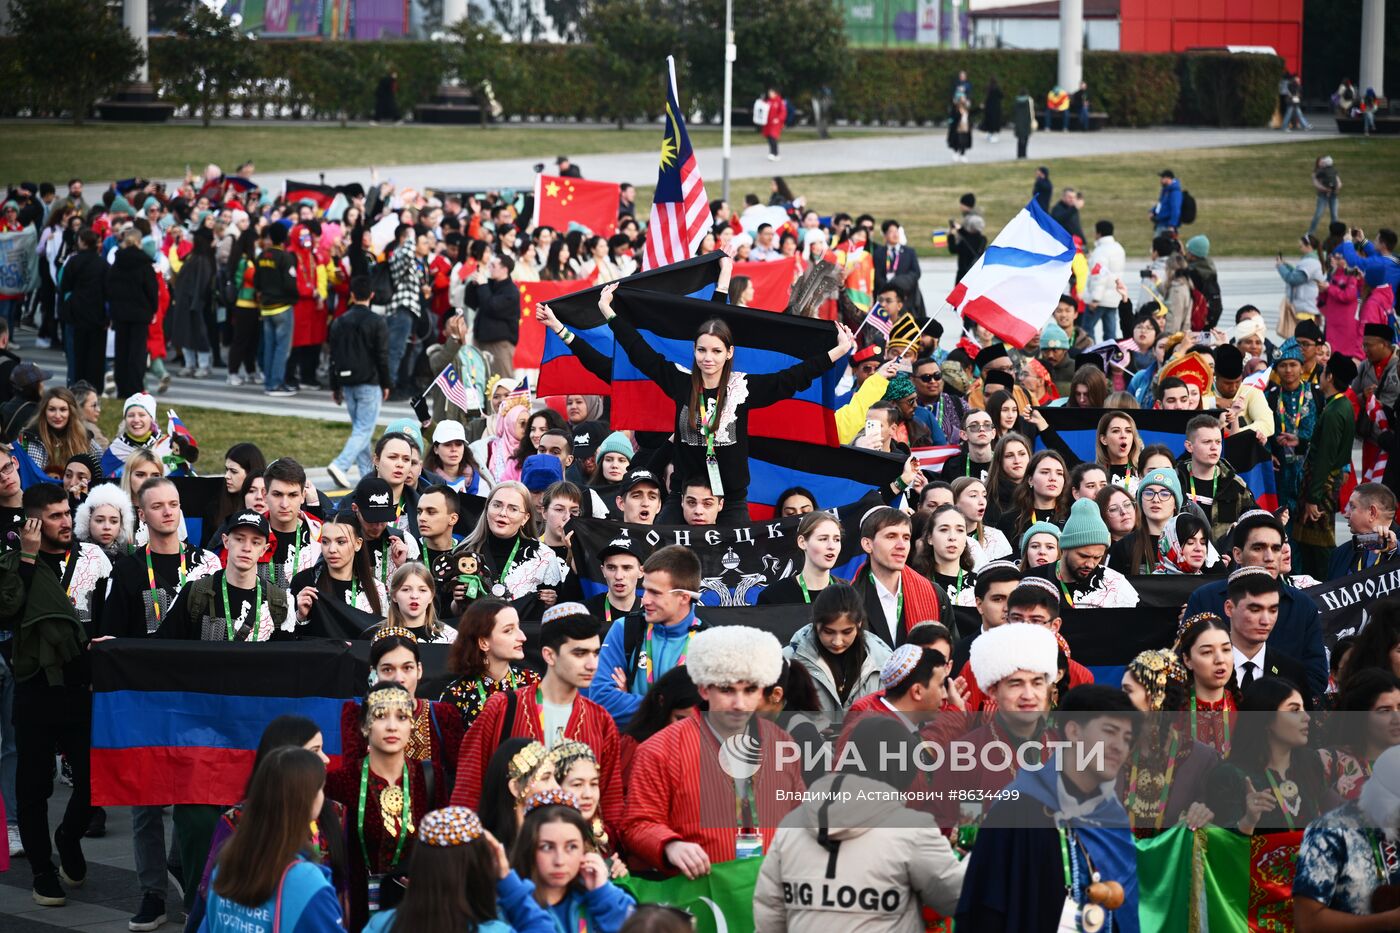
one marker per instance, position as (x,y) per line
(296,553)
(257,609)
(510,560)
(354,587)
(1225,719)
(404,819)
(384,559)
(1278,795)
(652,660)
(1382,870)
(806,596)
(1214,478)
(708,423)
(510,682)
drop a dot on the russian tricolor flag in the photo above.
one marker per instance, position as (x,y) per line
(179,722)
(1014,287)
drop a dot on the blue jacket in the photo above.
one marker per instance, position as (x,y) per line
(925,416)
(515,899)
(1379,270)
(670,642)
(604,910)
(309,905)
(1168,209)
(1346,559)
(1298,633)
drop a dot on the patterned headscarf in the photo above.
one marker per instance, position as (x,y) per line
(1290,351)
(1172,553)
(900,387)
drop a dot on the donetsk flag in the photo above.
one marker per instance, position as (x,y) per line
(562,372)
(1073,432)
(835,475)
(764,343)
(179,722)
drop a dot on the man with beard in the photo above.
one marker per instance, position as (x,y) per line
(1083,579)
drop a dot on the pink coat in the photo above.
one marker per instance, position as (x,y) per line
(1336,301)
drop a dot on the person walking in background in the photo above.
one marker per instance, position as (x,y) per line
(360,378)
(1302,279)
(1106,264)
(1327,182)
(774,122)
(1295,105)
(991,111)
(1043,190)
(960,129)
(276,283)
(1166,215)
(1023,119)
(132,293)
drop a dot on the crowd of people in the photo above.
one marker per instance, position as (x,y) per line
(523,794)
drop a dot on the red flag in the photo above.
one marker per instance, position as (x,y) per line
(772,282)
(680,210)
(563,201)
(530,347)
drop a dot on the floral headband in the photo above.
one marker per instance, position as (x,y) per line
(1190,622)
(393,631)
(450,826)
(554,796)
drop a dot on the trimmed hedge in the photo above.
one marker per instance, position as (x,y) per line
(879,86)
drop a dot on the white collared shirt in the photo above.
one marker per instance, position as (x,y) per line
(1240,660)
(889,601)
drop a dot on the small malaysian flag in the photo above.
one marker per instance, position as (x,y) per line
(452,388)
(933,458)
(877,320)
(680,209)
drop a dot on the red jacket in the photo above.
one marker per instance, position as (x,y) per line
(589,723)
(977,700)
(155,331)
(777,117)
(439,276)
(677,790)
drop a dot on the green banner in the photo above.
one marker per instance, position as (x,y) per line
(721,902)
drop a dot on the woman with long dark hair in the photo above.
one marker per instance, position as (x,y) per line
(328,829)
(546,419)
(242,464)
(1118,447)
(519,768)
(264,871)
(1158,498)
(190,323)
(485,657)
(462,882)
(1271,781)
(56,434)
(1203,648)
(558,267)
(345,573)
(1043,495)
(1378,644)
(1010,459)
(942,552)
(839,652)
(713,402)
(557,851)
(1370,724)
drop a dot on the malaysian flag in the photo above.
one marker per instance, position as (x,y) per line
(453,388)
(878,320)
(680,210)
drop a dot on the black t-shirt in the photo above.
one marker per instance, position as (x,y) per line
(128,610)
(786,592)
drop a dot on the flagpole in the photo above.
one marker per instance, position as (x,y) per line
(730,54)
(915,342)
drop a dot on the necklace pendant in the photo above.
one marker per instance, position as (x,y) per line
(1288,789)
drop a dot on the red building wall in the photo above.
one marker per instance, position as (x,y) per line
(1177,25)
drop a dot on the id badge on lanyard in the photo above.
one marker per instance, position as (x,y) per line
(748,845)
(1081,918)
(710,426)
(373,892)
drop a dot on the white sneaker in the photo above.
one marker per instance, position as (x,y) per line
(772,158)
(342,479)
(234,379)
(202,373)
(43,343)
(16,847)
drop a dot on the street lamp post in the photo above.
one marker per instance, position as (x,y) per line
(730,54)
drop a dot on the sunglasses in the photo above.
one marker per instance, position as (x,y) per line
(929,377)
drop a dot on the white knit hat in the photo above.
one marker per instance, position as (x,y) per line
(141,400)
(1016,646)
(731,654)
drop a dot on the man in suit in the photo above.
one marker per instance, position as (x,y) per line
(897,262)
(1371,511)
(1252,605)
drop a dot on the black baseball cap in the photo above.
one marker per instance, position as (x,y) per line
(636,478)
(249,519)
(616,546)
(374,499)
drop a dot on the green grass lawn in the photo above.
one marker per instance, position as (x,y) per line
(1252,200)
(312,442)
(104,151)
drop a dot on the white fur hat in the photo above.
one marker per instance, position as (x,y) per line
(105,494)
(1015,646)
(729,654)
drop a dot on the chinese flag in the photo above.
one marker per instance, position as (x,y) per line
(562,201)
(772,282)
(530,348)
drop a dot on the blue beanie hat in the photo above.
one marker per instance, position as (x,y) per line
(1161,477)
(1199,245)
(1085,526)
(541,471)
(616,443)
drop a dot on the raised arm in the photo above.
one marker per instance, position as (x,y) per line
(592,360)
(767,388)
(656,367)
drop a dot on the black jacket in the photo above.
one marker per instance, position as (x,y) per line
(1067,217)
(359,343)
(1042,192)
(276,278)
(497,305)
(905,275)
(132,292)
(82,290)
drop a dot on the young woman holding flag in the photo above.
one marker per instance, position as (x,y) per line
(713,404)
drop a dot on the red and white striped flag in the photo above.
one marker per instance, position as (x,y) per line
(933,458)
(680,209)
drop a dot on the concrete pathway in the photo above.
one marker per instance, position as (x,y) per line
(849,153)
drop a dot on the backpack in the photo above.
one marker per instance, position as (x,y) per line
(1200,310)
(382,282)
(1188,209)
